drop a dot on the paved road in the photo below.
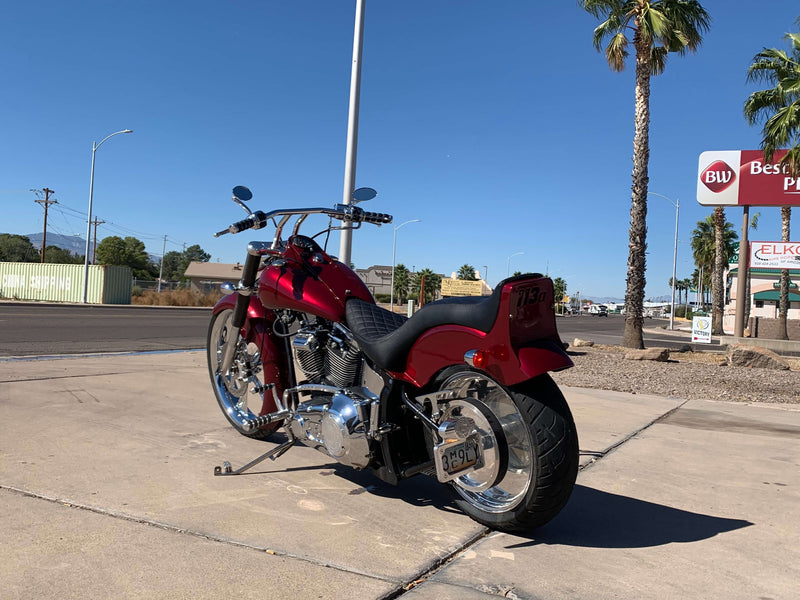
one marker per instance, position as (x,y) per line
(609,330)
(30,329)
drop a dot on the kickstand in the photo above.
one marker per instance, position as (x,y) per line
(273,454)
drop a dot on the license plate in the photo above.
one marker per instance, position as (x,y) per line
(453,459)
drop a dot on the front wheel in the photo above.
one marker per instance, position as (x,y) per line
(237,389)
(536,452)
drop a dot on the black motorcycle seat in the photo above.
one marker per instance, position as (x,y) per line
(386,338)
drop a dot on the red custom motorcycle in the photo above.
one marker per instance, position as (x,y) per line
(460,391)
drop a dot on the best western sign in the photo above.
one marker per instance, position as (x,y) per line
(742,178)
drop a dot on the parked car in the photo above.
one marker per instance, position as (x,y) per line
(600,310)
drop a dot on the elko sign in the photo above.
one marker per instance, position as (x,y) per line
(774,255)
(742,178)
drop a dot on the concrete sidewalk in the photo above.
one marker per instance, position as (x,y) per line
(107,491)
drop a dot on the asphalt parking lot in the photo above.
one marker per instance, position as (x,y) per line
(107,491)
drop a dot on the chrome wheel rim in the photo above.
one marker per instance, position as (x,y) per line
(512,486)
(234,388)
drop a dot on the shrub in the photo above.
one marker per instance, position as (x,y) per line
(179,297)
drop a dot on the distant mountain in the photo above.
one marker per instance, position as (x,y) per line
(606,300)
(74,244)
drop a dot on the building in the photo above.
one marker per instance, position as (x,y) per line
(378,278)
(765,287)
(205,277)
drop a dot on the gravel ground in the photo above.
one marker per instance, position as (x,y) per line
(688,375)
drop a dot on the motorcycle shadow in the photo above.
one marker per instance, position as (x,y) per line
(420,490)
(597,519)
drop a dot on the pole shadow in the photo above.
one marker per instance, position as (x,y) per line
(597,519)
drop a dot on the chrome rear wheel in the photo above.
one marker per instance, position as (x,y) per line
(530,464)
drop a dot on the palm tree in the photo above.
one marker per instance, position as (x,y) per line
(431,282)
(402,280)
(717,284)
(786,217)
(467,273)
(709,248)
(779,109)
(658,27)
(703,251)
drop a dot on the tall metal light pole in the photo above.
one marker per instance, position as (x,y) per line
(346,239)
(394,252)
(508,263)
(95,146)
(677,205)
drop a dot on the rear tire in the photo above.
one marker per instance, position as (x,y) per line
(542,447)
(233,390)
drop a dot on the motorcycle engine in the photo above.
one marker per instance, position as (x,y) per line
(335,419)
(328,356)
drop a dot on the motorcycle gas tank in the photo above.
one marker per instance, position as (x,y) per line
(309,280)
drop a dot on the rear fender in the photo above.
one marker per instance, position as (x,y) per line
(522,344)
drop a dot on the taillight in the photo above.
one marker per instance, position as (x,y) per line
(476,358)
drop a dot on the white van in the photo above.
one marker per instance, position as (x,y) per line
(600,310)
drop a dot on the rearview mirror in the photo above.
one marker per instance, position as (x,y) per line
(363,194)
(242,193)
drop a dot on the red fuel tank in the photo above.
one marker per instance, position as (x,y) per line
(310,282)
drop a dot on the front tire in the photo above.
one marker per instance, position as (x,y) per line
(234,388)
(541,443)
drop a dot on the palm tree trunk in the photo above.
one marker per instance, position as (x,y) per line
(783,332)
(717,286)
(637,234)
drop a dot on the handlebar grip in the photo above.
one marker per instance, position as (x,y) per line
(377,218)
(256,220)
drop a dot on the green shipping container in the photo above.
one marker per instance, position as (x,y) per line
(64,283)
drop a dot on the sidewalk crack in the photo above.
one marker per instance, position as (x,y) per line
(597,456)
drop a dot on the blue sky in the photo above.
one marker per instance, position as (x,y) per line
(497,124)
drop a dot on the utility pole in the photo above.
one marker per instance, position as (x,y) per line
(94,238)
(46,202)
(161,270)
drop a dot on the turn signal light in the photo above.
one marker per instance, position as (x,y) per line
(476,358)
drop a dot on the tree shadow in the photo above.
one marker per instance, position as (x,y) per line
(597,519)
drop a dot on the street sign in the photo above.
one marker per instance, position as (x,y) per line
(701,330)
(461,287)
(775,255)
(733,259)
(742,178)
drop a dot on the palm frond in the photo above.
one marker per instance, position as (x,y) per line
(617,52)
(658,60)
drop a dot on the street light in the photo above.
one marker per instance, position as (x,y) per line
(677,205)
(394,252)
(508,263)
(346,239)
(95,146)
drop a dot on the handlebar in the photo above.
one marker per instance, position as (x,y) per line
(342,212)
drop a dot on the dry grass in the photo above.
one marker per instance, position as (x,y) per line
(176,298)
